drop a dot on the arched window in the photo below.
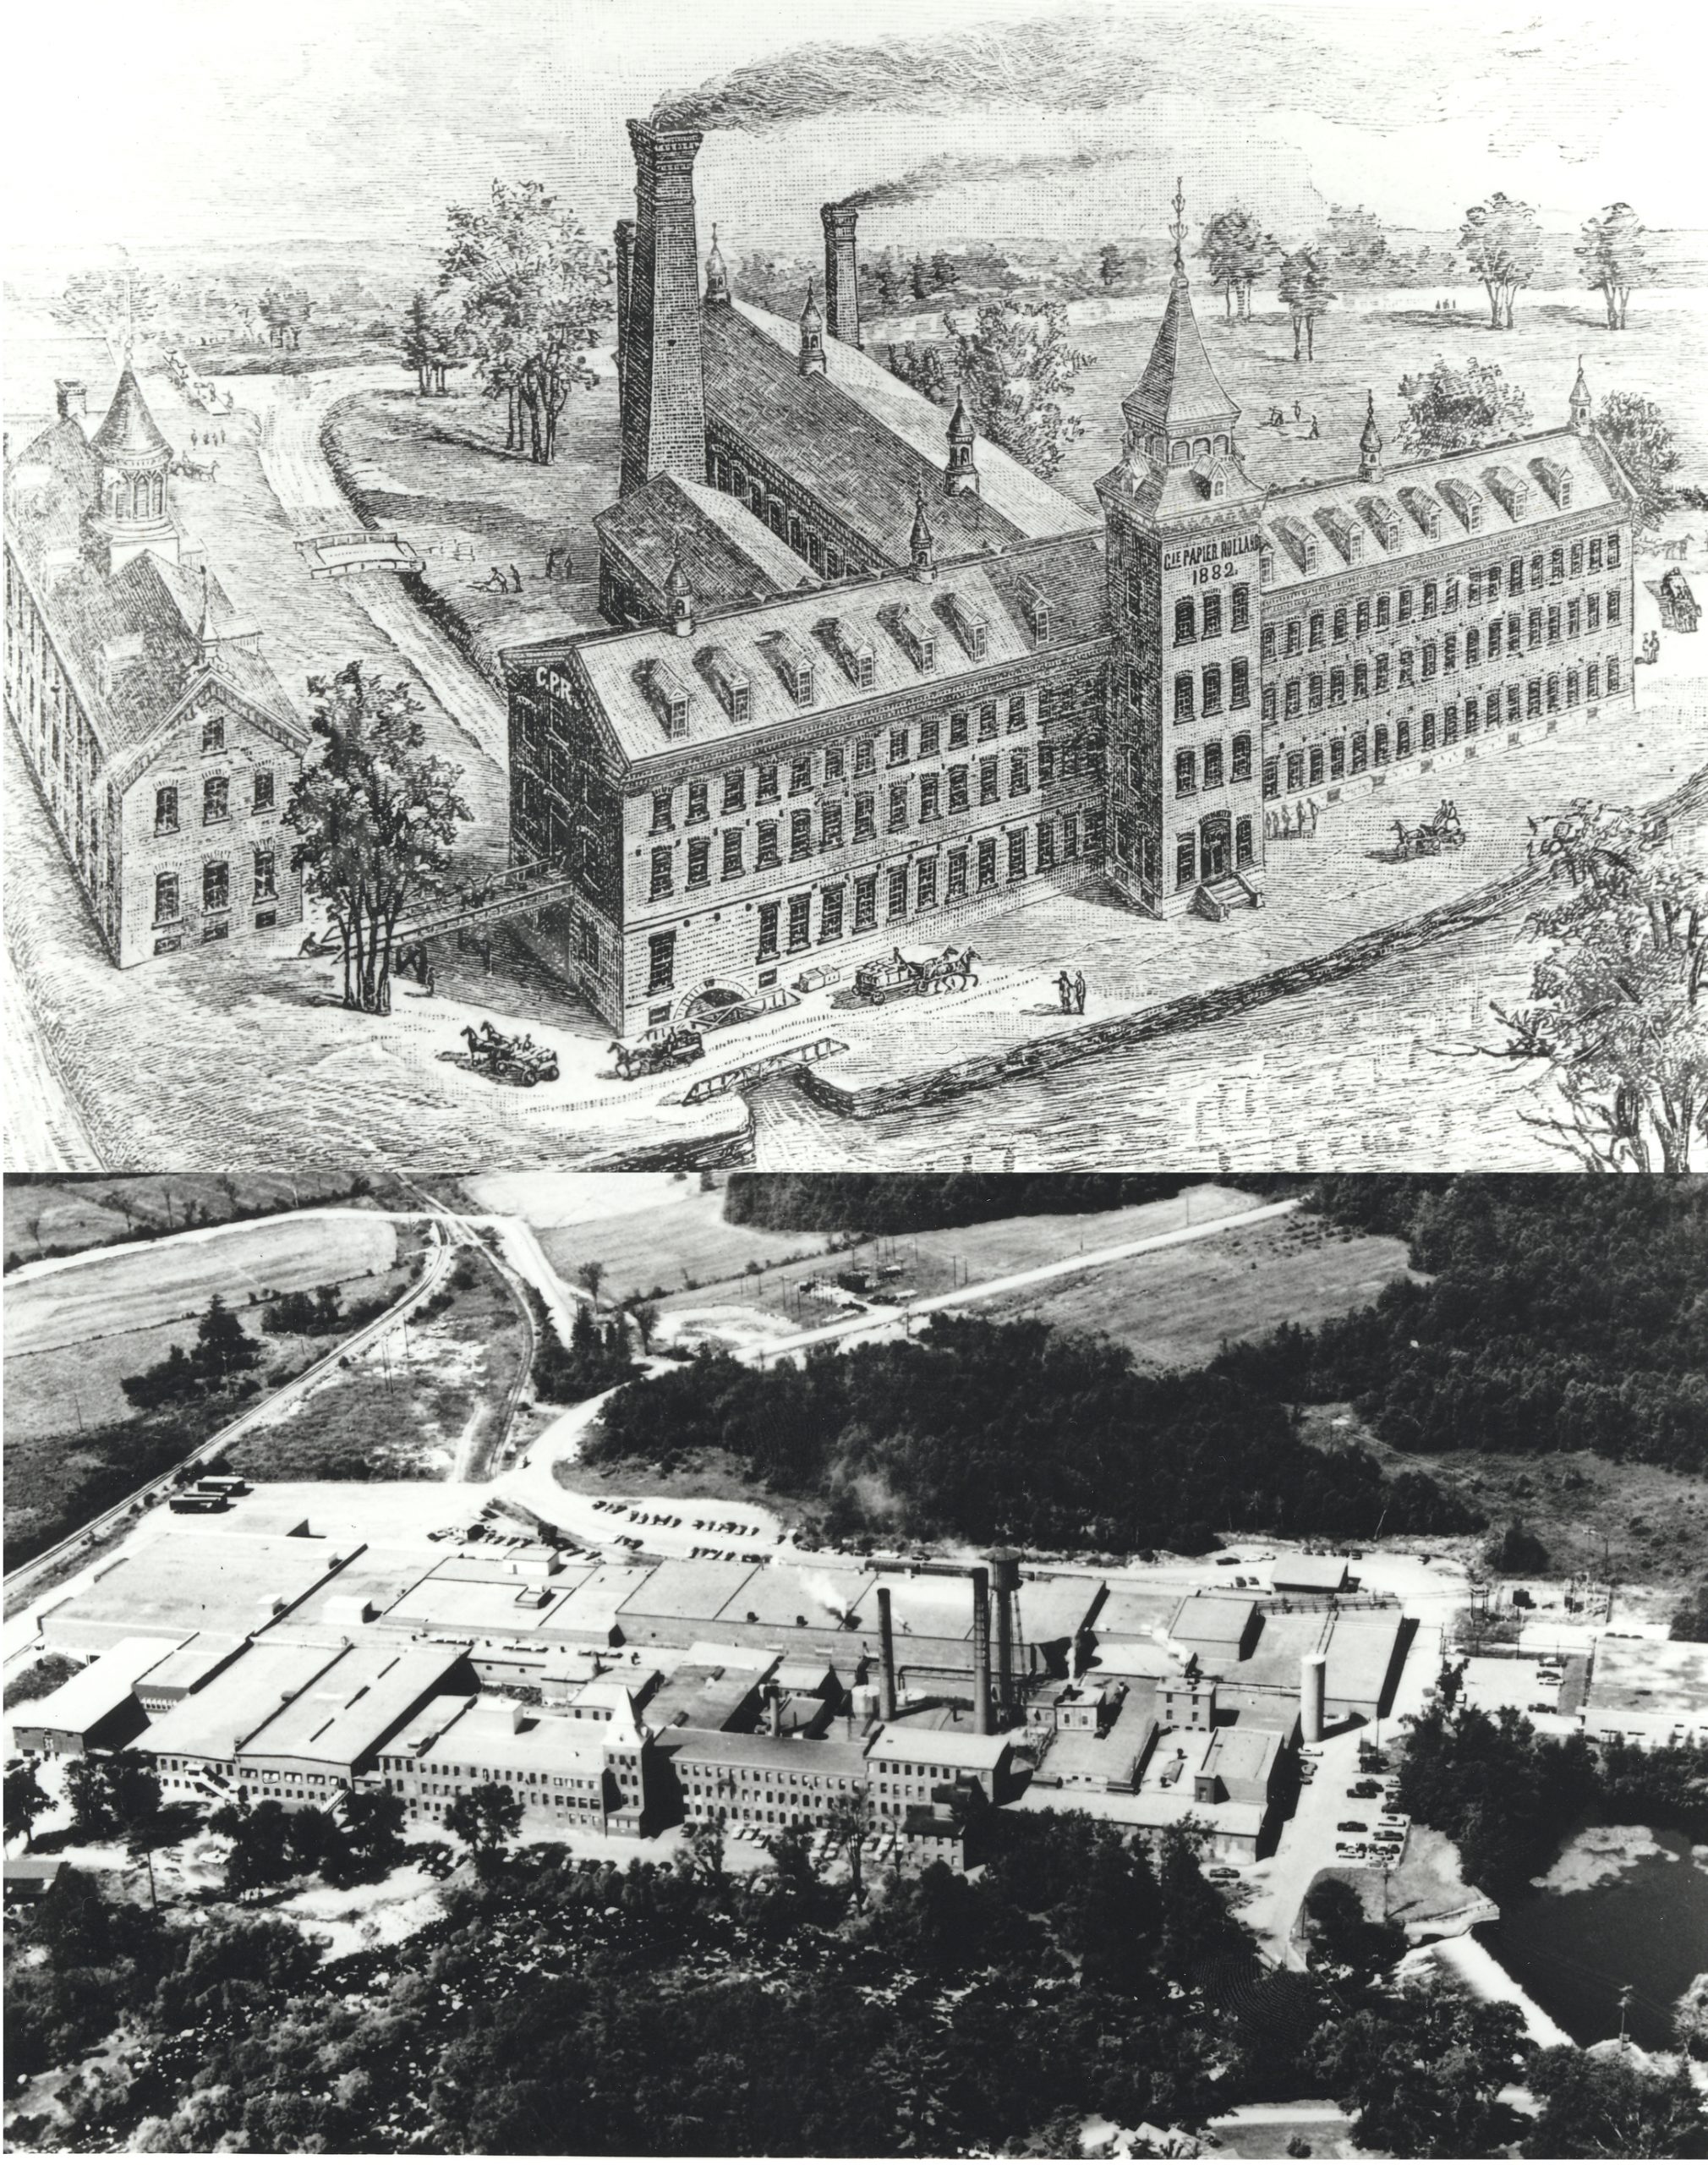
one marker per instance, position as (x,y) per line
(1181,454)
(121,496)
(156,497)
(1223,447)
(1159,448)
(1200,449)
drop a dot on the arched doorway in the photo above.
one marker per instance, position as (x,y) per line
(711,1004)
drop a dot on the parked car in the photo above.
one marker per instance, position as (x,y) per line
(1355,1827)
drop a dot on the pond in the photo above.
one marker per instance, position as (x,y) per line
(1625,1905)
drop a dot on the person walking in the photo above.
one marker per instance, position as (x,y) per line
(1315,433)
(515,580)
(1079,992)
(1064,993)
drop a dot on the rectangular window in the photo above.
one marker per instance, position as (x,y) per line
(1185,774)
(1553,693)
(1577,560)
(1046,845)
(1574,619)
(1295,634)
(957,789)
(769,915)
(215,886)
(1295,771)
(1315,690)
(1536,627)
(930,735)
(865,756)
(1184,690)
(216,794)
(1016,854)
(1272,777)
(986,720)
(1242,757)
(1071,834)
(1213,766)
(1337,687)
(1316,628)
(957,730)
(1449,651)
(1295,697)
(1473,588)
(1360,752)
(1472,648)
(1240,685)
(930,790)
(866,901)
(898,746)
(1593,612)
(1571,687)
(1340,622)
(865,816)
(1405,605)
(1612,672)
(1384,611)
(987,782)
(1212,616)
(699,807)
(1212,690)
(1535,570)
(1360,680)
(1016,714)
(1429,597)
(1184,624)
(1428,652)
(1046,766)
(1402,736)
(1533,696)
(1240,614)
(662,809)
(165,811)
(166,906)
(1337,758)
(262,799)
(1382,743)
(957,873)
(800,921)
(1381,672)
(733,851)
(1450,600)
(661,871)
(1515,576)
(1316,765)
(1513,698)
(1429,727)
(1594,555)
(987,862)
(1268,643)
(1268,703)
(1019,774)
(213,730)
(925,883)
(1185,858)
(767,791)
(800,834)
(1592,682)
(1556,566)
(1360,619)
(266,890)
(1612,605)
(898,806)
(830,913)
(800,775)
(735,790)
(1553,623)
(769,854)
(1406,663)
(699,860)
(830,827)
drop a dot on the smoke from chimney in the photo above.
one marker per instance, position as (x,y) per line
(952,169)
(664,400)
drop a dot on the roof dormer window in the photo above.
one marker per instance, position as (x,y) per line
(1425,512)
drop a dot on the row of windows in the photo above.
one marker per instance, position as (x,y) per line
(215,887)
(1434,598)
(788,525)
(797,777)
(787,926)
(1417,665)
(1540,695)
(933,802)
(1187,705)
(1201,618)
(1237,769)
(216,800)
(1207,854)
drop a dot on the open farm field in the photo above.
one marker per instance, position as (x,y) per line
(59,1217)
(133,1288)
(423,1400)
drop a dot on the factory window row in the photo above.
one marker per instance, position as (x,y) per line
(215,887)
(1516,702)
(1354,620)
(777,779)
(1518,632)
(216,800)
(1201,618)
(1215,770)
(785,523)
(1193,697)
(967,785)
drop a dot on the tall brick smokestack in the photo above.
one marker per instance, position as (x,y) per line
(625,273)
(886,1641)
(981,1721)
(841,273)
(664,398)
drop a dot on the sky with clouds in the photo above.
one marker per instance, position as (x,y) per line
(172,124)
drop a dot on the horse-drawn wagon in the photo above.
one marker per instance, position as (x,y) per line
(1443,832)
(665,1045)
(515,1060)
(894,977)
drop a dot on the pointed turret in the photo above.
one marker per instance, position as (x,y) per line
(1369,443)
(679,598)
(717,277)
(921,542)
(960,476)
(1180,413)
(131,432)
(136,460)
(812,336)
(1580,405)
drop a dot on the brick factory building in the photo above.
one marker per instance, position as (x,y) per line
(872,680)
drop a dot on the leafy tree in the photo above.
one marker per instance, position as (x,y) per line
(921,366)
(377,815)
(1617,1014)
(530,291)
(1423,2071)
(262,1852)
(1238,251)
(1015,368)
(591,1276)
(1614,2105)
(1640,437)
(1304,290)
(1517,1550)
(1610,250)
(704,1849)
(428,342)
(26,1800)
(1111,266)
(1358,244)
(285,310)
(1354,1952)
(373,1821)
(945,272)
(40,1677)
(119,307)
(485,1818)
(111,1793)
(1690,1617)
(848,1823)
(1502,243)
(223,1348)
(644,1314)
(920,278)
(1461,408)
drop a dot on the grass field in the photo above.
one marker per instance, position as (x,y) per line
(62,1216)
(405,1407)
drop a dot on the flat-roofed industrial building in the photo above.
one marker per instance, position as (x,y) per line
(97,1707)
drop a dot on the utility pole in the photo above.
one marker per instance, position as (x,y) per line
(1624,2009)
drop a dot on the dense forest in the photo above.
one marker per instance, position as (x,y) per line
(1560,1313)
(917,1202)
(1015,1432)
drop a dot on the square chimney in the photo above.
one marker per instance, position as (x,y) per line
(841,273)
(664,398)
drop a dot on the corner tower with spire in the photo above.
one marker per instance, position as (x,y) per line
(1186,825)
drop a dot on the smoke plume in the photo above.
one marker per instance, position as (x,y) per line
(949,171)
(1069,63)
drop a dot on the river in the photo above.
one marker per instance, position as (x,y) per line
(1623,1906)
(1377,1069)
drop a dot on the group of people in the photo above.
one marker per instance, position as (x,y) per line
(1071,992)
(207,438)
(1290,823)
(1275,419)
(497,582)
(560,564)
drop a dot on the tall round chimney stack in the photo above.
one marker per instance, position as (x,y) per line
(886,1642)
(980,1651)
(663,395)
(1312,1686)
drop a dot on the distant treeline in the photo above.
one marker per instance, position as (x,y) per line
(919,1203)
(1561,1313)
(1017,1432)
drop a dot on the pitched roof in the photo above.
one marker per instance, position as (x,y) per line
(1178,388)
(809,428)
(130,431)
(827,626)
(728,556)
